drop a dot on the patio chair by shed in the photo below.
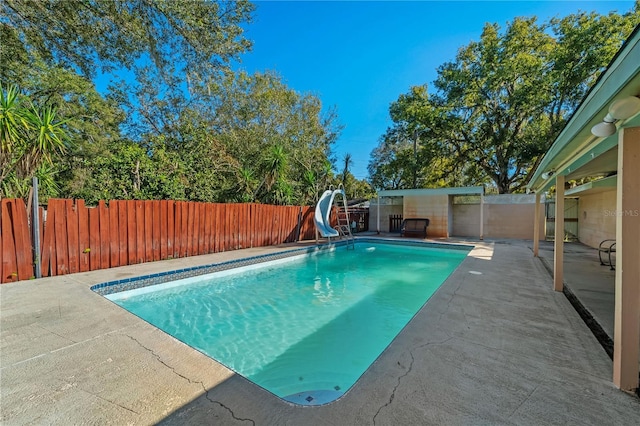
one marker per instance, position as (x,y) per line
(414,227)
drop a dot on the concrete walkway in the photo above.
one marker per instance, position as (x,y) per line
(499,347)
(592,283)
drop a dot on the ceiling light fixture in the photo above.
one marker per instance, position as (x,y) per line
(606,128)
(624,108)
(547,175)
(620,109)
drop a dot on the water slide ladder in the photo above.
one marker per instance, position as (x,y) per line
(334,199)
(344,224)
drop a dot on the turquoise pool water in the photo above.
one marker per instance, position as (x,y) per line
(307,327)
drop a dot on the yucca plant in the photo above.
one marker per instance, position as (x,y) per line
(30,136)
(10,123)
(45,136)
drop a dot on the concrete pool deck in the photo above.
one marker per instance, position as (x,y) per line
(498,347)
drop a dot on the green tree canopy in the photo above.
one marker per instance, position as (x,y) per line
(249,139)
(197,37)
(52,49)
(175,122)
(500,104)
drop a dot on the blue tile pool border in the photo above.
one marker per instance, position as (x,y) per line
(133,283)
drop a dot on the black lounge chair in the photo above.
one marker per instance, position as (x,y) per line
(414,227)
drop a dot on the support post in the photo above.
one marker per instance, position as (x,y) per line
(378,215)
(558,244)
(626,337)
(536,226)
(35,228)
(481,216)
(299,226)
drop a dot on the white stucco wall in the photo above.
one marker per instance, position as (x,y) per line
(505,216)
(597,218)
(432,207)
(387,207)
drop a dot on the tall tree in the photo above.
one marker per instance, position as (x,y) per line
(347,160)
(501,103)
(283,137)
(250,138)
(177,47)
(198,37)
(53,49)
(181,125)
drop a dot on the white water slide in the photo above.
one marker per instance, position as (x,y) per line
(323,211)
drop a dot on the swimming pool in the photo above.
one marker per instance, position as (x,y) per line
(306,326)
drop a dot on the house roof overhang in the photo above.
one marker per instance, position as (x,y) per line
(576,152)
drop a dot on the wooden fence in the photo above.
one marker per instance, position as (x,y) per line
(395,222)
(76,238)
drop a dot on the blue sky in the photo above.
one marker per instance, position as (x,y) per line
(360,56)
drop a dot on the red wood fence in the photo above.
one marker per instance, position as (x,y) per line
(76,238)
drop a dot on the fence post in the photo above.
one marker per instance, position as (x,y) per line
(299,225)
(35,229)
